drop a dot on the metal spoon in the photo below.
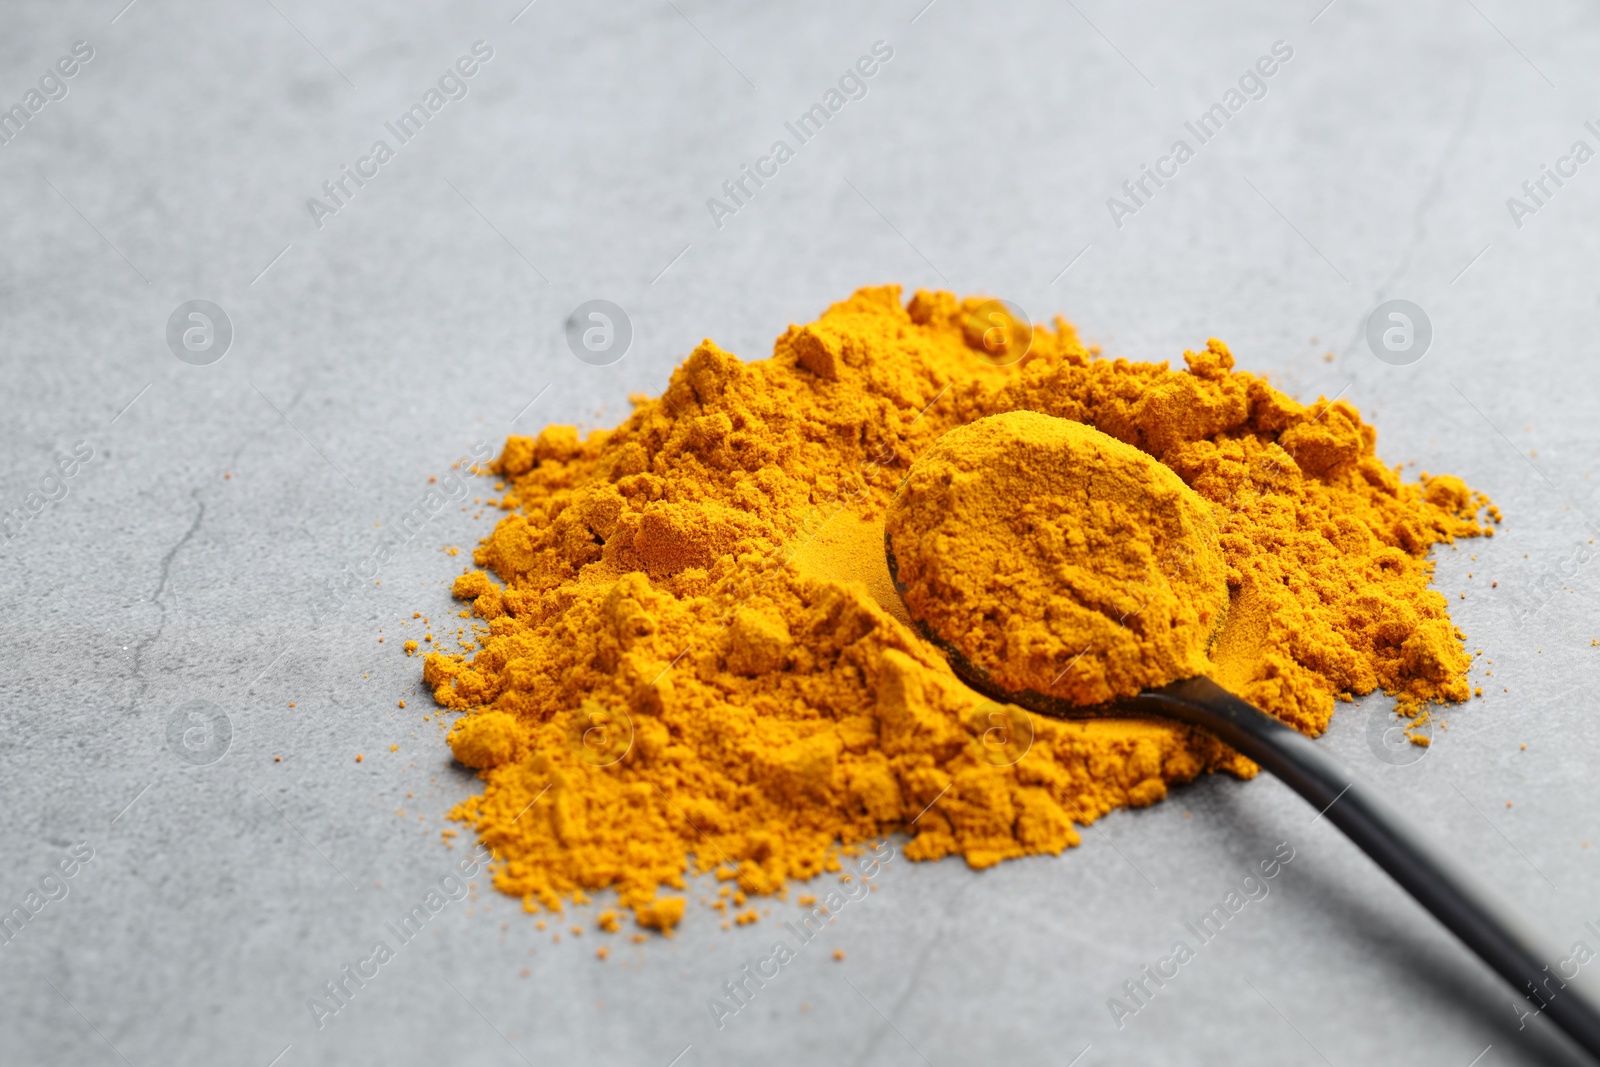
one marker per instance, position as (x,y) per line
(1483,923)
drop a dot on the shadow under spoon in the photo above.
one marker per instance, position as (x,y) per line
(1483,923)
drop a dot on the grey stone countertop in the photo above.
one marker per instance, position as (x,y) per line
(369,341)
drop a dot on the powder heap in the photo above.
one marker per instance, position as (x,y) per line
(1056,559)
(694,659)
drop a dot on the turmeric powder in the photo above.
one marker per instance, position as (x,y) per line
(1054,558)
(695,660)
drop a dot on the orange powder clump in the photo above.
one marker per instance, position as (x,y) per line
(1055,559)
(485,740)
(695,660)
(663,913)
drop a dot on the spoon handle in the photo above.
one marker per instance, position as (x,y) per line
(1483,924)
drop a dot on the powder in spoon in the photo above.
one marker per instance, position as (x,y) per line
(1057,559)
(692,659)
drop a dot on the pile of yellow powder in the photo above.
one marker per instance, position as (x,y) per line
(694,658)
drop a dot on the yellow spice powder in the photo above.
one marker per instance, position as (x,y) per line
(695,659)
(1053,558)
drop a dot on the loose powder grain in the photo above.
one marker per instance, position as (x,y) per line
(694,659)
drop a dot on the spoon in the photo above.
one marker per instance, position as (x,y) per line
(1484,924)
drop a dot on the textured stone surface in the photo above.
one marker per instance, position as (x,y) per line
(428,312)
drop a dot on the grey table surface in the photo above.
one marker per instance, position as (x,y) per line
(373,345)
